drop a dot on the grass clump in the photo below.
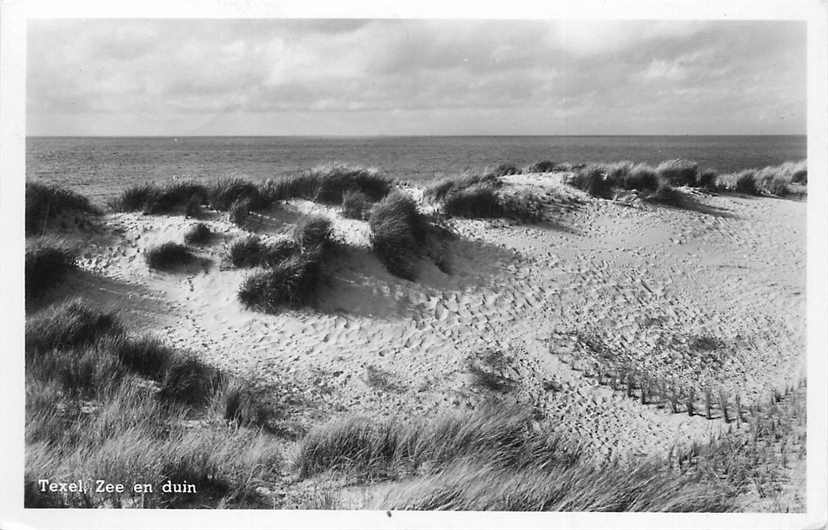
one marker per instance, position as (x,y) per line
(544,166)
(241,404)
(46,203)
(741,182)
(393,448)
(329,183)
(145,356)
(290,283)
(503,170)
(355,205)
(481,197)
(639,177)
(72,323)
(247,252)
(154,199)
(398,232)
(47,262)
(293,269)
(135,198)
(240,211)
(438,191)
(594,180)
(253,252)
(707,179)
(679,172)
(789,178)
(198,234)
(666,194)
(313,233)
(226,193)
(475,201)
(603,179)
(168,256)
(188,380)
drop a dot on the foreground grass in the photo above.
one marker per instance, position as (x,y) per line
(495,460)
(101,404)
(48,261)
(393,449)
(46,204)
(500,459)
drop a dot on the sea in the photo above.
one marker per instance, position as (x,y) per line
(102,166)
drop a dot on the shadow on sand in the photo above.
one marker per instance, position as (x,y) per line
(138,307)
(358,283)
(678,200)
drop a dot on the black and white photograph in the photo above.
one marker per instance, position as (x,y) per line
(391,264)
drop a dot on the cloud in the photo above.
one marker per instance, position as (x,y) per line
(184,73)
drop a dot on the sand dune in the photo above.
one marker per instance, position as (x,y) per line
(639,275)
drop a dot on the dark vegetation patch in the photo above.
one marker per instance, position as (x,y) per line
(679,172)
(329,184)
(707,179)
(244,405)
(193,208)
(253,252)
(438,191)
(162,199)
(72,323)
(313,233)
(226,193)
(293,269)
(48,261)
(593,180)
(100,403)
(666,194)
(47,203)
(168,256)
(355,205)
(504,169)
(476,201)
(491,370)
(198,234)
(240,211)
(290,283)
(188,380)
(388,449)
(482,197)
(398,234)
(544,166)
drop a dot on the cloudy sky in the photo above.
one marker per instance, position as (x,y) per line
(275,77)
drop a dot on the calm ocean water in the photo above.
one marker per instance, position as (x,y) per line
(100,167)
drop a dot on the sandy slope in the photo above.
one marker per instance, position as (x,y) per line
(647,278)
